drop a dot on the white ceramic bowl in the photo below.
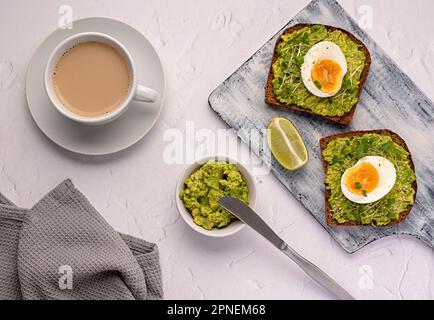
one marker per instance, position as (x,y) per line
(235,225)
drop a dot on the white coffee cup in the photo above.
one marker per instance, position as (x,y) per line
(136,91)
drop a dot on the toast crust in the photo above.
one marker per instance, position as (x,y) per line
(397,139)
(345,118)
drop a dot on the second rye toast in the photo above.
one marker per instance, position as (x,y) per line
(342,151)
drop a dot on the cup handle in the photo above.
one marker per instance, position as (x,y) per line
(145,94)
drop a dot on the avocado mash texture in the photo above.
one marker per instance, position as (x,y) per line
(342,153)
(287,84)
(206,186)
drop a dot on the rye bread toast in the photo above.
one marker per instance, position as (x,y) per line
(397,139)
(345,118)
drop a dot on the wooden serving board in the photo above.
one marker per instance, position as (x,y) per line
(389,100)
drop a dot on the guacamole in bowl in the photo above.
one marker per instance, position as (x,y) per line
(205,186)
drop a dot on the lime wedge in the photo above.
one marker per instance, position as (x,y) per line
(286,144)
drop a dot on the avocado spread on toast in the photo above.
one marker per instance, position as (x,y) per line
(287,84)
(206,186)
(343,152)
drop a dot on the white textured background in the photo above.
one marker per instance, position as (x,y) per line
(201,43)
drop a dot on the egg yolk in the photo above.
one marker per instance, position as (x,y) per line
(327,75)
(362,178)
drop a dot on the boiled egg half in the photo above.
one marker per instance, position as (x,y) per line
(323,69)
(369,180)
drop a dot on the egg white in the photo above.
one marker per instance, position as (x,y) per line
(387,177)
(324,50)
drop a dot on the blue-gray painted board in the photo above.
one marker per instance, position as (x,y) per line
(389,100)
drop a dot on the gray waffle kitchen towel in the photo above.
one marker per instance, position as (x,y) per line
(61,231)
(11,219)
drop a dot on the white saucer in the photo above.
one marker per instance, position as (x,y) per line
(117,135)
